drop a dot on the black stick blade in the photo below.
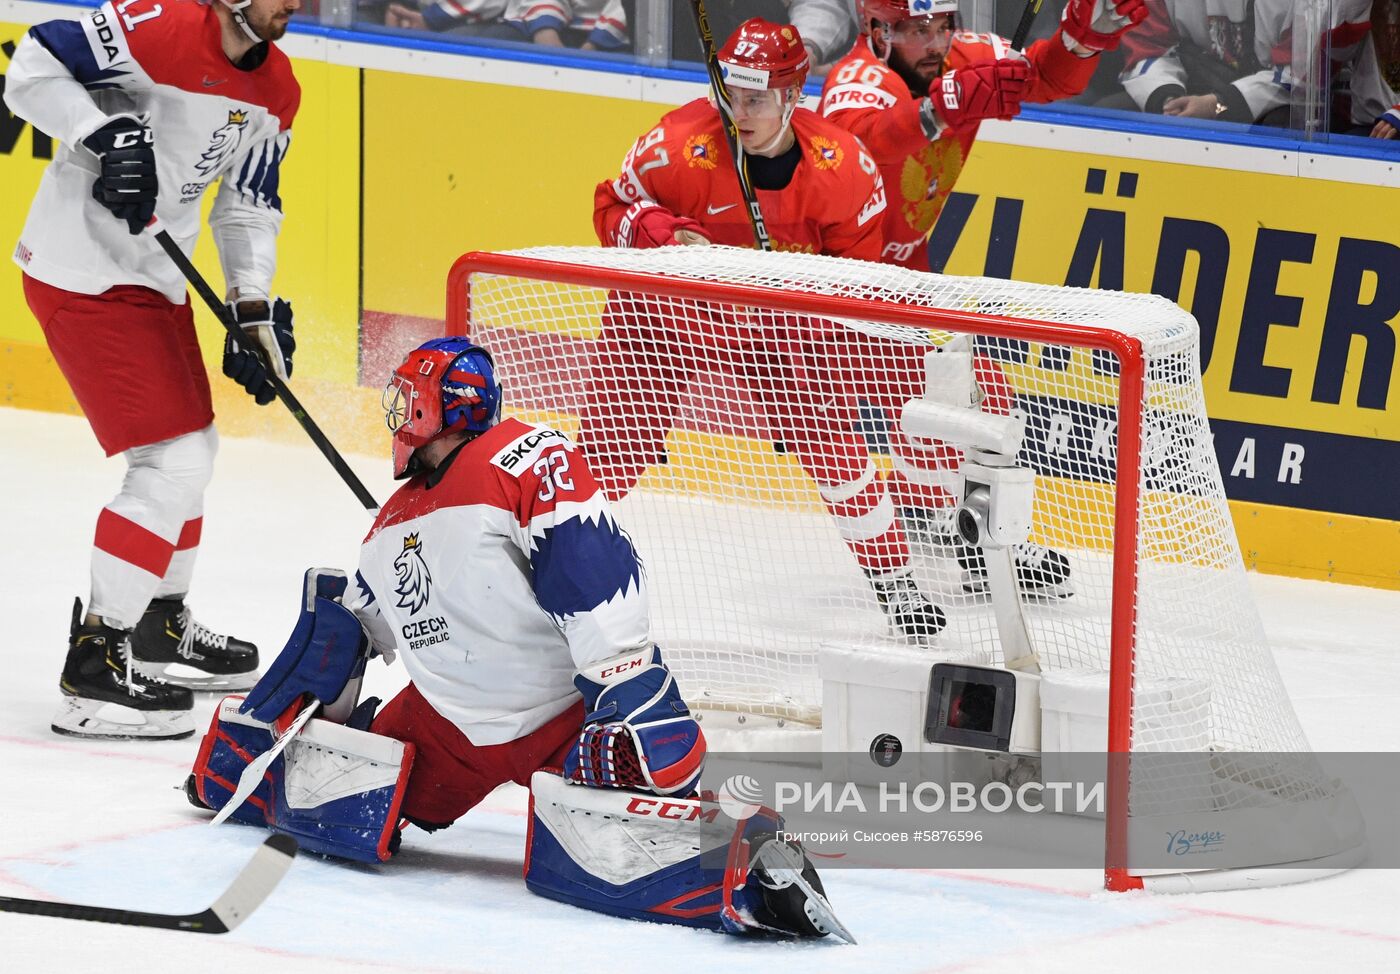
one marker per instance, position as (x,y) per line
(244,895)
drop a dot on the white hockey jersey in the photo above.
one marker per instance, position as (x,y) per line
(1248,37)
(211,119)
(497,577)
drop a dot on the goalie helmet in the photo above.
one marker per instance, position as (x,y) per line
(447,385)
(892,12)
(762,55)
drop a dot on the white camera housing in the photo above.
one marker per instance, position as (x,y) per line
(996,507)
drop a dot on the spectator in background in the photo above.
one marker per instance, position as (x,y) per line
(1364,51)
(1232,60)
(1222,59)
(589,25)
(828,28)
(472,18)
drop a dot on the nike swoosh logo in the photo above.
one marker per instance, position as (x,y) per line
(712,210)
(210,84)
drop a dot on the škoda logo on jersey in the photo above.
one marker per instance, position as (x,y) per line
(513,459)
(224,143)
(826,153)
(415,582)
(700,151)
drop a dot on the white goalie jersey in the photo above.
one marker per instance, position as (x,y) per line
(498,576)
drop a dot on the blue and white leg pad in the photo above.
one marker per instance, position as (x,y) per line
(337,790)
(643,856)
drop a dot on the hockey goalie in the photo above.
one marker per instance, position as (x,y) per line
(519,608)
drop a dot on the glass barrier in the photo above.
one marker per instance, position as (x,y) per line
(579,26)
(1319,70)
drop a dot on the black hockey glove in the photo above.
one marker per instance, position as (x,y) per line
(269,329)
(126,184)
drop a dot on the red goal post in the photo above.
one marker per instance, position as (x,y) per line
(538,306)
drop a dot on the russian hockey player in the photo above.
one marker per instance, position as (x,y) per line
(916,90)
(819,192)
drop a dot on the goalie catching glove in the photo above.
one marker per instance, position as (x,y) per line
(638,732)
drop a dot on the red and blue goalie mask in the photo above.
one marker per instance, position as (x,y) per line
(447,385)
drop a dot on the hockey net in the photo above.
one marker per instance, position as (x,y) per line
(742,409)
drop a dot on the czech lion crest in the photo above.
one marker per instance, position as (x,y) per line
(223,144)
(414,579)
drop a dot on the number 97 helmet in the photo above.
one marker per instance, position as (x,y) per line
(764,66)
(447,385)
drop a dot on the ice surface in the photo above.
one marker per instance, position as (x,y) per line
(105,822)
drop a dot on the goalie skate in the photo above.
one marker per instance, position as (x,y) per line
(792,893)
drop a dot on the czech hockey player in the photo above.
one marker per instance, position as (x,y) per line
(192,93)
(519,608)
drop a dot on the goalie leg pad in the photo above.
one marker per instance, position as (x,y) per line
(337,790)
(648,857)
(230,744)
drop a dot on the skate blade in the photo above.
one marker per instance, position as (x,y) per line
(977,586)
(102,720)
(191,678)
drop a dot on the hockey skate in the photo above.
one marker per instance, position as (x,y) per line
(794,900)
(909,610)
(104,698)
(1040,571)
(169,645)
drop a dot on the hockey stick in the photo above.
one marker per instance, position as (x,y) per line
(731,128)
(299,413)
(1023,27)
(244,895)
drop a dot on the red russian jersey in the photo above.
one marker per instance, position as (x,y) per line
(865,96)
(833,205)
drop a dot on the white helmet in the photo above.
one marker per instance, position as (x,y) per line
(893,11)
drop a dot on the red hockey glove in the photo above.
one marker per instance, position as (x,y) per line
(1100,24)
(968,95)
(646,225)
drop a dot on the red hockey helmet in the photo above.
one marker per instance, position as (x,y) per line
(762,55)
(892,12)
(447,385)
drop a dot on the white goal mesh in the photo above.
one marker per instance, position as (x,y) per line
(743,411)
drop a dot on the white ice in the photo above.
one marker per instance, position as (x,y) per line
(105,823)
